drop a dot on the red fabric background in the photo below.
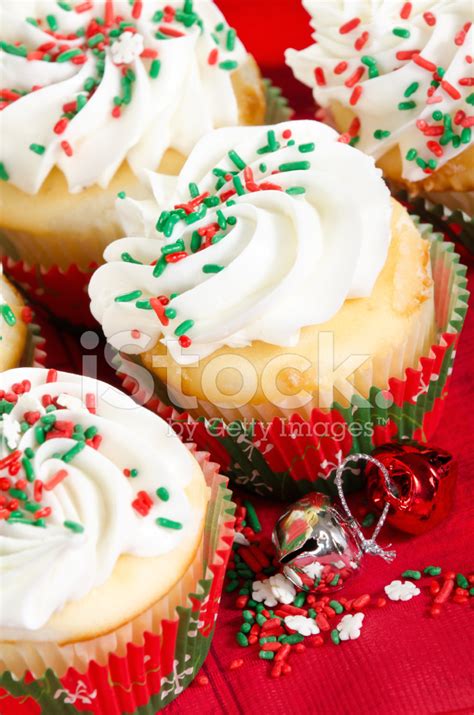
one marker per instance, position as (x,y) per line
(404,662)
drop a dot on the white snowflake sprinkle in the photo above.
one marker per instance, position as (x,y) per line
(350,626)
(302,625)
(283,590)
(127,48)
(313,570)
(71,403)
(11,430)
(262,591)
(401,590)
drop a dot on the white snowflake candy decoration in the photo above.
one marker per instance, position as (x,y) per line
(350,626)
(11,431)
(240,539)
(282,589)
(127,48)
(302,625)
(313,570)
(262,592)
(401,590)
(69,402)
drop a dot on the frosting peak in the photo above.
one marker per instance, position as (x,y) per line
(105,81)
(404,69)
(266,230)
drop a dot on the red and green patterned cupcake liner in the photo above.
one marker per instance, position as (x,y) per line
(288,457)
(63,292)
(150,674)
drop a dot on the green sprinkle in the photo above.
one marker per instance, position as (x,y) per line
(143,305)
(252,517)
(266,655)
(466,135)
(91,432)
(263,168)
(155,68)
(32,21)
(470,98)
(421,163)
(335,580)
(231,220)
(368,60)
(173,247)
(184,327)
(406,105)
(306,148)
(30,506)
(411,89)
(52,22)
(28,467)
(228,65)
(432,163)
(260,619)
(162,493)
(336,606)
(96,39)
(73,452)
(461,580)
(335,636)
(432,570)
(40,435)
(128,297)
(238,185)
(440,71)
(64,6)
(300,599)
(74,526)
(196,241)
(38,149)
(18,494)
(19,51)
(4,175)
(232,586)
(212,268)
(170,313)
(68,55)
(89,84)
(230,40)
(296,190)
(401,32)
(7,314)
(295,166)
(437,115)
(158,16)
(193,190)
(242,639)
(267,639)
(237,160)
(381,134)
(30,453)
(169,523)
(121,195)
(245,627)
(369,519)
(291,640)
(415,575)
(127,258)
(411,154)
(134,473)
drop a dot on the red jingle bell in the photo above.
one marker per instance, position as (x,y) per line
(425,478)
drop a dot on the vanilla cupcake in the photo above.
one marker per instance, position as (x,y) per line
(94,94)
(396,78)
(101,538)
(275,277)
(18,337)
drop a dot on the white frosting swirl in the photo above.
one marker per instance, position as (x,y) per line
(45,567)
(167,101)
(366,56)
(310,228)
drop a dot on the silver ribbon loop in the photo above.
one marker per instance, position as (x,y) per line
(368,546)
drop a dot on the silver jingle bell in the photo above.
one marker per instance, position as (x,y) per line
(316,546)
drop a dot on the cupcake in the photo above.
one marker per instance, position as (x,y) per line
(19,338)
(102,91)
(283,302)
(102,528)
(396,78)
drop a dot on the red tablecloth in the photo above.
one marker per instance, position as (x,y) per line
(405,662)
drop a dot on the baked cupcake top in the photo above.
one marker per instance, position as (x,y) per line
(14,319)
(403,68)
(86,477)
(266,230)
(87,84)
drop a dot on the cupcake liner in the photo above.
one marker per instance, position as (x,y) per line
(288,457)
(63,292)
(145,664)
(456,224)
(34,354)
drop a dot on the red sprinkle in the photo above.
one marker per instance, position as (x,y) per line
(466,81)
(213,56)
(67,149)
(235,664)
(52,376)
(361,41)
(435,148)
(319,76)
(406,54)
(355,77)
(429,18)
(185,341)
(422,62)
(55,479)
(340,67)
(355,96)
(406,10)
(137,9)
(159,309)
(175,257)
(445,592)
(349,26)
(362,602)
(449,89)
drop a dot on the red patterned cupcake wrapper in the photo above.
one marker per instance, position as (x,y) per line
(149,675)
(286,458)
